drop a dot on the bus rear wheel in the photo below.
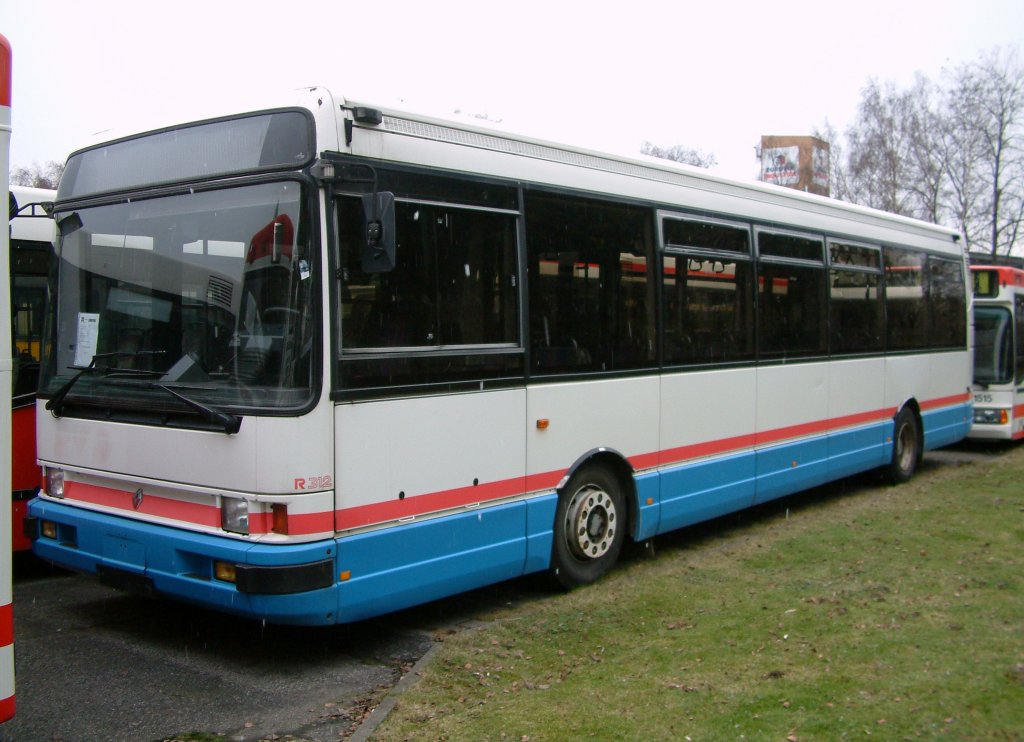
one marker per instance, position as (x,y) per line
(906,447)
(590,527)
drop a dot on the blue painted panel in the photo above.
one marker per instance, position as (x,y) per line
(406,565)
(859,449)
(540,519)
(180,563)
(705,489)
(946,426)
(648,517)
(777,475)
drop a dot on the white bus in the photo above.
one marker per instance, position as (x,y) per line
(315,363)
(998,353)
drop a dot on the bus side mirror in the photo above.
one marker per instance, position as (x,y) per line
(379,230)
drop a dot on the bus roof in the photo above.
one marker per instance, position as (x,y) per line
(1008,275)
(582,167)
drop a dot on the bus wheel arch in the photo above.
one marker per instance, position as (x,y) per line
(907,443)
(596,506)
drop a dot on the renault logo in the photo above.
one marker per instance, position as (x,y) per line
(137,499)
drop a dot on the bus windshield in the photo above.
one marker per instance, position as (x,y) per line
(993,345)
(207,293)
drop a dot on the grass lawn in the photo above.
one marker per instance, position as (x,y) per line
(854,611)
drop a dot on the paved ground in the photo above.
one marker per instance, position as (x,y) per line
(96,664)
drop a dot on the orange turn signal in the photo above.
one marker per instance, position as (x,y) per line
(280,521)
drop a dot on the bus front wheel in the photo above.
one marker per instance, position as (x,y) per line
(590,527)
(906,447)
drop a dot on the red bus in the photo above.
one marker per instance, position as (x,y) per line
(31,236)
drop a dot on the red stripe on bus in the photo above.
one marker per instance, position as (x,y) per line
(403,507)
(300,524)
(6,708)
(153,505)
(707,448)
(824,426)
(6,625)
(194,513)
(741,442)
(931,404)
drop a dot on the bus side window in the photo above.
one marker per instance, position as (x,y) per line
(591,293)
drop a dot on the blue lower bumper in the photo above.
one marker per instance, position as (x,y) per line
(180,564)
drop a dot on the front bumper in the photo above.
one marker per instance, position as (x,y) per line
(288,584)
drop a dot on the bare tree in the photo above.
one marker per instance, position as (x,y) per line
(993,88)
(953,153)
(923,122)
(36,176)
(881,166)
(679,153)
(838,179)
(962,155)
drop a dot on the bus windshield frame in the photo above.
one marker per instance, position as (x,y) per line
(993,345)
(210,292)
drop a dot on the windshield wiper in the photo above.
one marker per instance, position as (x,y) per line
(56,403)
(230,423)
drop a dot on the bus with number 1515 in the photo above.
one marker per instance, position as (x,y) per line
(998,353)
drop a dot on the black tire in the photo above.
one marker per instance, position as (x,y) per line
(590,527)
(906,447)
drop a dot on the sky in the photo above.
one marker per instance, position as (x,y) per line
(712,76)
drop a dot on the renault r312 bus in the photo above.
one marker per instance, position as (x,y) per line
(315,362)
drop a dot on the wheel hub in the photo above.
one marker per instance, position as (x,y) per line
(590,523)
(905,447)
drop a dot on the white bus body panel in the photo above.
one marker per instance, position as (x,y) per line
(427,453)
(856,386)
(616,414)
(930,376)
(266,456)
(790,398)
(704,407)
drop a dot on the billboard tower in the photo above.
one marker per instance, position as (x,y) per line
(796,162)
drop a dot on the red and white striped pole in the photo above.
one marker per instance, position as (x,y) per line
(6,375)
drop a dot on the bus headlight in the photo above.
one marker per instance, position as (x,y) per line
(991,417)
(55,482)
(234,515)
